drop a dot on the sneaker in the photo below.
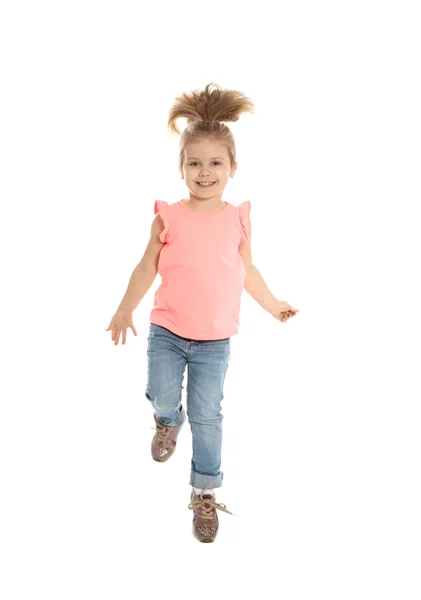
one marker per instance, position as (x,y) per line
(164,441)
(205,519)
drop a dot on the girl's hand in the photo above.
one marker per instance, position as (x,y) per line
(119,323)
(283,311)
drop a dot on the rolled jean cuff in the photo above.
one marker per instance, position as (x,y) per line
(177,421)
(198,480)
(180,418)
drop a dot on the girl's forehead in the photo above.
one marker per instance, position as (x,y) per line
(206,147)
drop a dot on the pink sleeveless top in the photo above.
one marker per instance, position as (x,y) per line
(202,271)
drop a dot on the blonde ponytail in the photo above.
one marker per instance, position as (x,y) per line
(206,112)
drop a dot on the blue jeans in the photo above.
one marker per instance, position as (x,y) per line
(207,362)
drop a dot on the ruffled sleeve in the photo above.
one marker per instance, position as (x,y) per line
(245,221)
(161,207)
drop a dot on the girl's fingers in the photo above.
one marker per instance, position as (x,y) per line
(115,333)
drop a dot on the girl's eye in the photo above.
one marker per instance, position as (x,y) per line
(195,162)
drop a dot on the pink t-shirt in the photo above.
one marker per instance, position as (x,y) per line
(202,271)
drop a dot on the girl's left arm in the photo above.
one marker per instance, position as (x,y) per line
(255,285)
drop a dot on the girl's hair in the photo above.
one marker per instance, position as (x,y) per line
(205,112)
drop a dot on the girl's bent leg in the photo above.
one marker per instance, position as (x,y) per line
(166,366)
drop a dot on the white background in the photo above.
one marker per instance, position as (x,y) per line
(321,454)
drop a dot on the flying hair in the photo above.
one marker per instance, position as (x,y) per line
(206,112)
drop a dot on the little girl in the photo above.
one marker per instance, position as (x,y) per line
(201,249)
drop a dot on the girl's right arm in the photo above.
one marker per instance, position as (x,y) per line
(140,281)
(145,272)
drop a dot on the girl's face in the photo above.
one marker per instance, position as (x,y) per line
(206,160)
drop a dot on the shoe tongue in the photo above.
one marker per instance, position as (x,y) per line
(207,496)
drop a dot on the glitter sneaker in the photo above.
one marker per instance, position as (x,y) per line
(164,441)
(205,519)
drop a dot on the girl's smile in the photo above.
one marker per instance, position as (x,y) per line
(206,184)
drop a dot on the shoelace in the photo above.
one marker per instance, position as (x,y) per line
(163,431)
(206,505)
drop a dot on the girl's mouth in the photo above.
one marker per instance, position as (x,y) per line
(205,185)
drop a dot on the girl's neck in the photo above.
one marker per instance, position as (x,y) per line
(205,205)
